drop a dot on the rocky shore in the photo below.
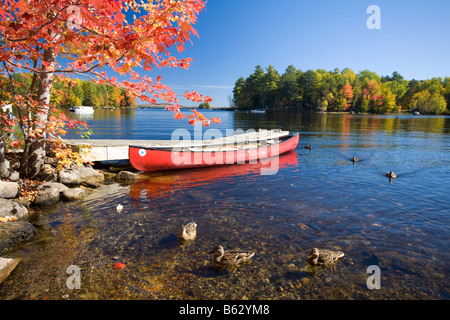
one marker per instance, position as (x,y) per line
(20,200)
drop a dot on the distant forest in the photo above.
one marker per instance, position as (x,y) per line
(68,93)
(340,91)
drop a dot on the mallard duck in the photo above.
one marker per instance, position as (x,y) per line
(323,257)
(230,258)
(355,159)
(390,174)
(308,147)
(187,232)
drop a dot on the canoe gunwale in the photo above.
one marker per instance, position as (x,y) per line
(250,143)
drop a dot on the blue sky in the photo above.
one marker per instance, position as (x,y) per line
(237,35)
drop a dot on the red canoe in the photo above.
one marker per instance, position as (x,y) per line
(247,150)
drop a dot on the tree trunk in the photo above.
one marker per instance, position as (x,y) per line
(34,151)
(5,170)
(4,164)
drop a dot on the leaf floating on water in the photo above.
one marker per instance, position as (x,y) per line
(119,265)
(302,226)
(376,225)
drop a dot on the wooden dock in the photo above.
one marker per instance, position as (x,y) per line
(117,149)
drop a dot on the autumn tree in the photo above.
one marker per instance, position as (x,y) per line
(398,87)
(428,103)
(447,91)
(94,39)
(348,95)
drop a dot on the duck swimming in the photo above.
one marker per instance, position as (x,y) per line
(308,147)
(391,175)
(187,232)
(323,257)
(230,258)
(355,159)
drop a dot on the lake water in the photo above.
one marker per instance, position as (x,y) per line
(316,198)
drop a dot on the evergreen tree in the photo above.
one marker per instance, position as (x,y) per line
(240,94)
(271,83)
(255,85)
(289,90)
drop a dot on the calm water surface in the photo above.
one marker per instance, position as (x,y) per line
(317,198)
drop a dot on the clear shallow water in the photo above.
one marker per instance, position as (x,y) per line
(317,198)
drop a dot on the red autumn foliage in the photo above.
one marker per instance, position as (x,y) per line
(102,40)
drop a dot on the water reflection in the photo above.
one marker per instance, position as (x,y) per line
(81,116)
(161,184)
(345,123)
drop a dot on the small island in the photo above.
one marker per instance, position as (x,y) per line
(340,91)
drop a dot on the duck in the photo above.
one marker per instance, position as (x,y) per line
(187,232)
(391,174)
(230,258)
(308,147)
(323,257)
(355,159)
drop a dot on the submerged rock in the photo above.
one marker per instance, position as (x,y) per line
(7,265)
(90,184)
(15,232)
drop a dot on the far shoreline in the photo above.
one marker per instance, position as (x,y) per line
(161,106)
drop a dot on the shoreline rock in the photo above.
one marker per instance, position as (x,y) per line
(76,176)
(12,208)
(69,185)
(73,194)
(126,177)
(9,190)
(47,196)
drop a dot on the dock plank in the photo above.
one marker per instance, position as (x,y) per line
(117,149)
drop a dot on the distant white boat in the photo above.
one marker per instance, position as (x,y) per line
(82,110)
(257,111)
(7,108)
